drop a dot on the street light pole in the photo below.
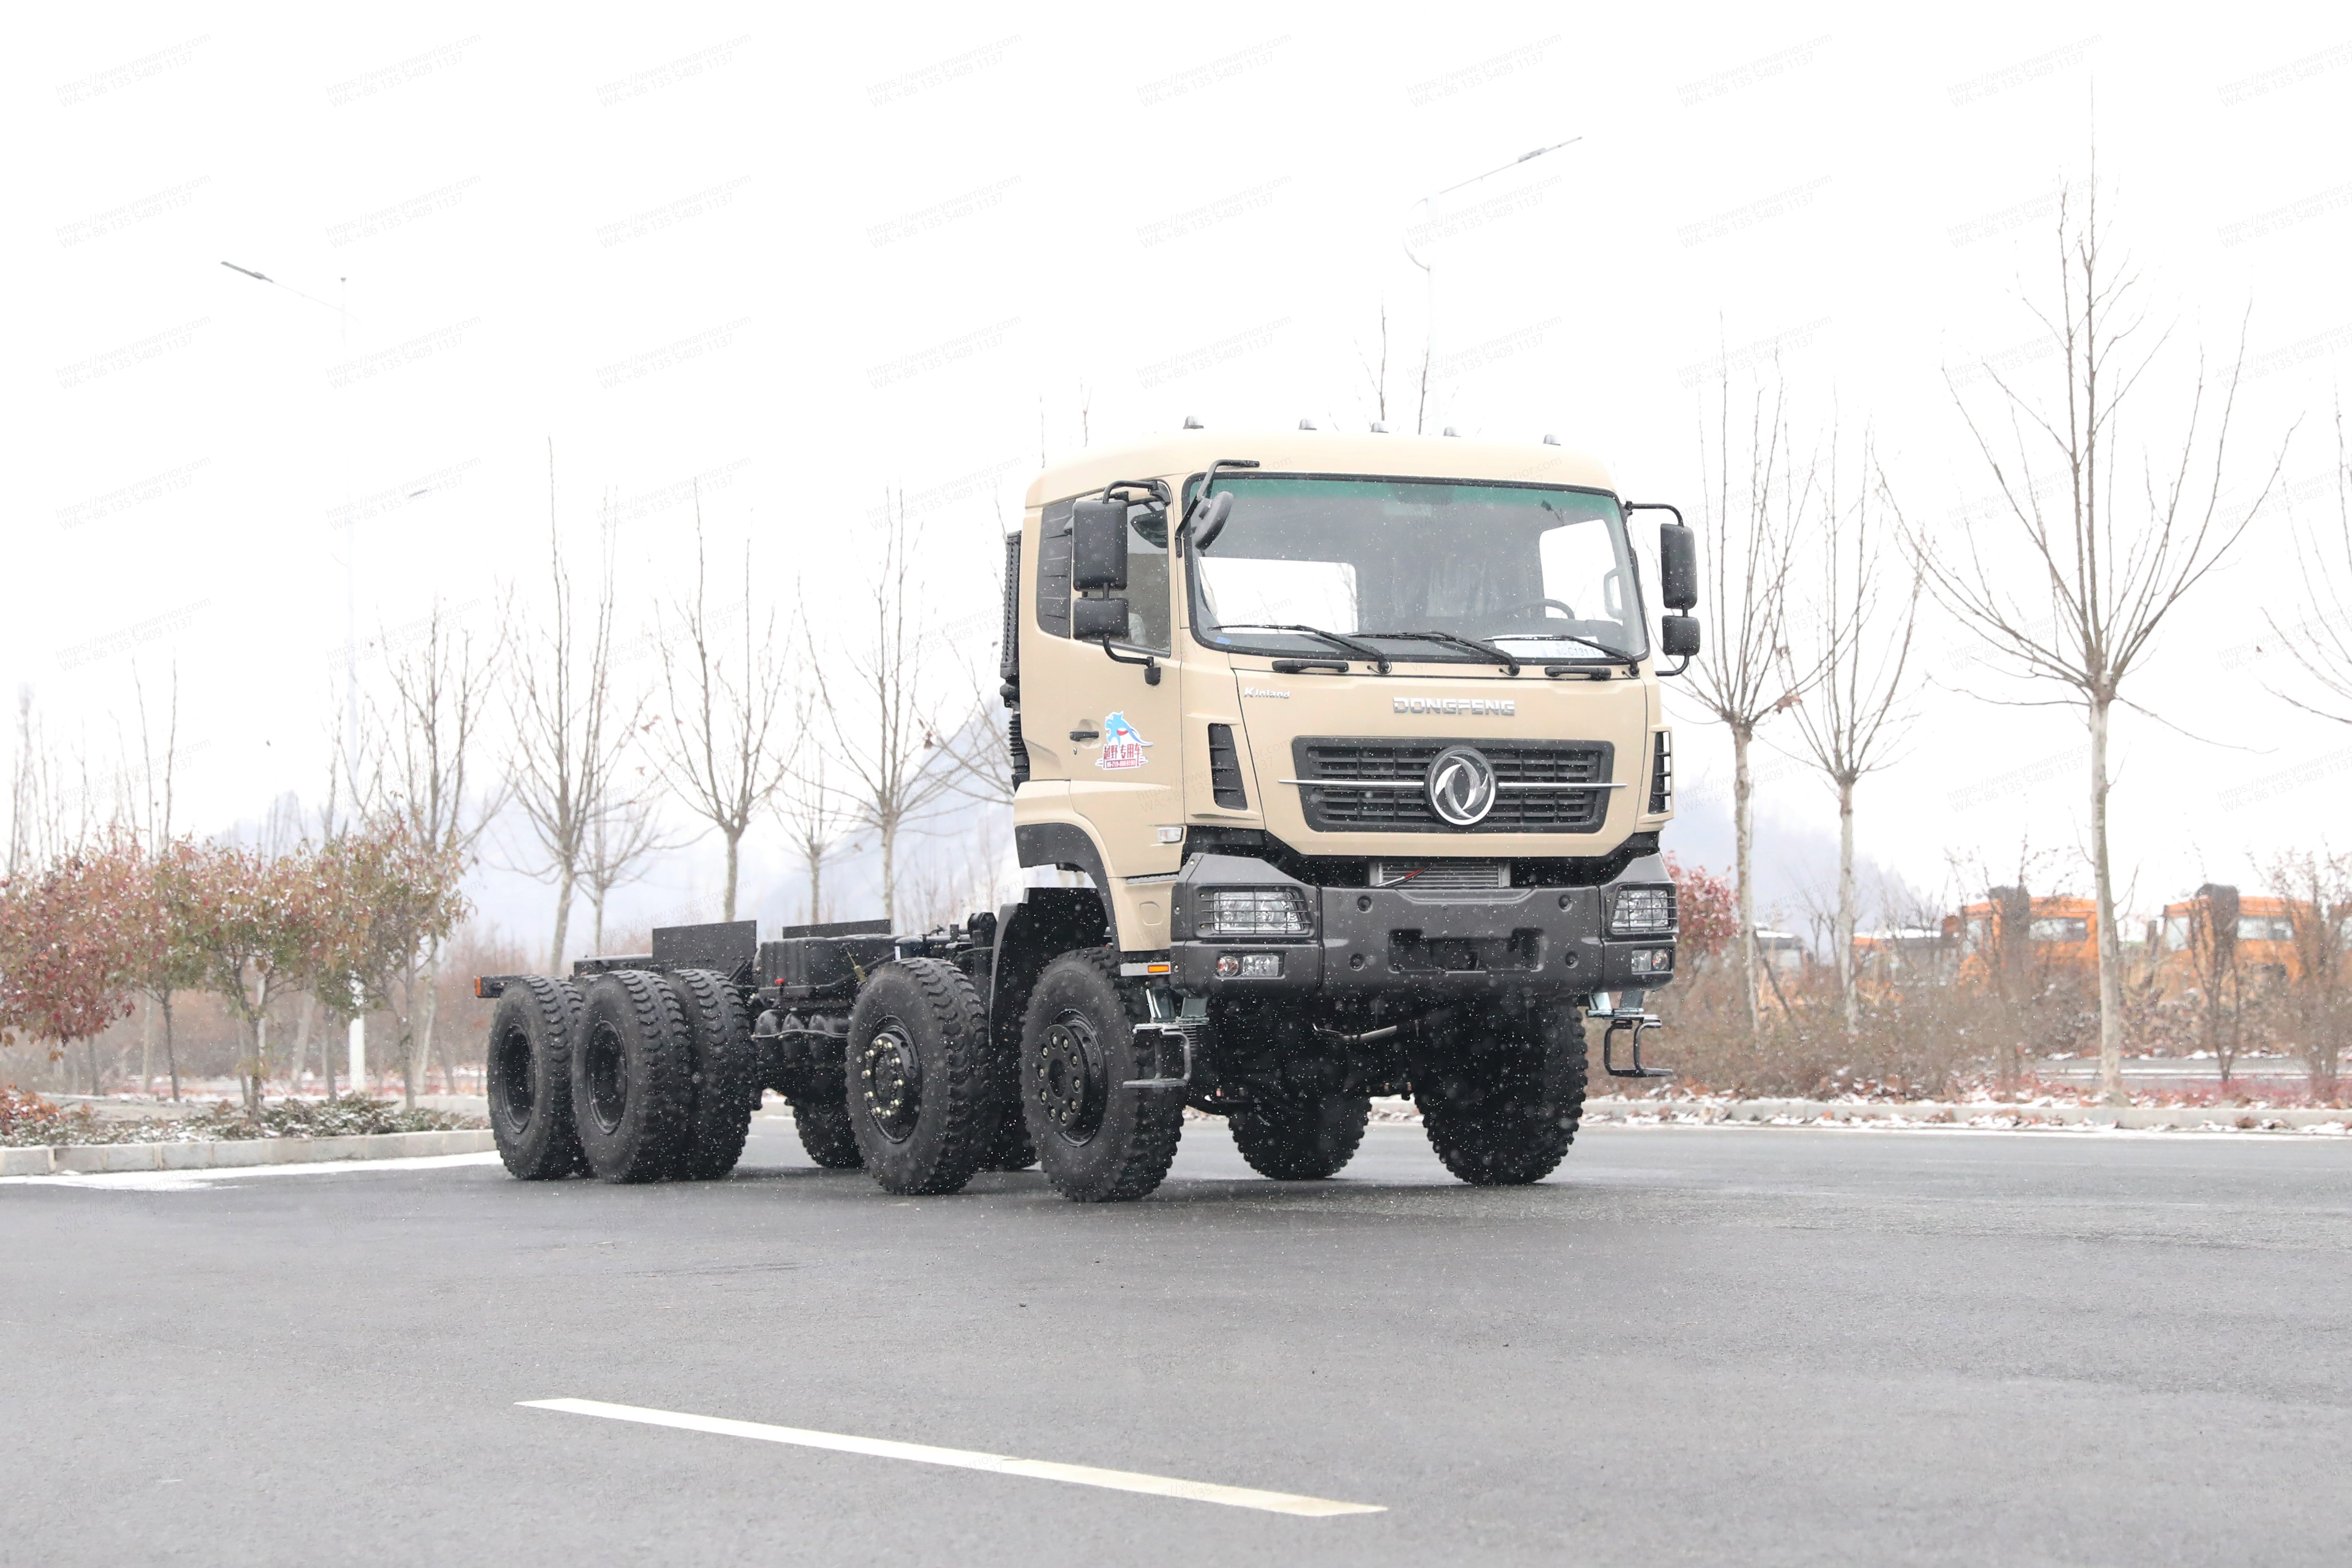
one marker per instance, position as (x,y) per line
(1429,268)
(357,1043)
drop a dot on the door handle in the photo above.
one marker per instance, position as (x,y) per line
(1086,734)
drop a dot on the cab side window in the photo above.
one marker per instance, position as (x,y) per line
(1148,617)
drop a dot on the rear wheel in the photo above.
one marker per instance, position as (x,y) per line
(917,1073)
(1300,1136)
(1502,1107)
(633,1077)
(1099,1142)
(530,1078)
(725,1066)
(828,1135)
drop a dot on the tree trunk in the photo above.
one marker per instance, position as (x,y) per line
(302,1032)
(817,887)
(563,885)
(256,1031)
(734,849)
(1743,789)
(171,1056)
(890,873)
(147,1047)
(89,1053)
(424,1008)
(1845,908)
(2111,957)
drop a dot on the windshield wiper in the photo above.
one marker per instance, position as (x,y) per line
(1631,662)
(1510,665)
(1361,650)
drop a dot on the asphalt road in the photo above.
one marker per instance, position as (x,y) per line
(1750,1346)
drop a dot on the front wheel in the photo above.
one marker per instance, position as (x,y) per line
(1098,1140)
(1501,1107)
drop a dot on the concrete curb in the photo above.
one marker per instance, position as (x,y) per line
(223,1154)
(1965,1114)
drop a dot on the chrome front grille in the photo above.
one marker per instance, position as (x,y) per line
(1376,785)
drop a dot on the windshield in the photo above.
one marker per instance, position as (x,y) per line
(1543,572)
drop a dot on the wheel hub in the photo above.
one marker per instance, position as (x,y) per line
(510,1086)
(1072,1080)
(890,1076)
(608,1078)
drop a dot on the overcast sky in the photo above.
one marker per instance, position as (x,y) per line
(805,253)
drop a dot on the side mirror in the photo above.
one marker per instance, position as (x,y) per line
(1209,519)
(1098,547)
(1679,634)
(1678,571)
(1098,620)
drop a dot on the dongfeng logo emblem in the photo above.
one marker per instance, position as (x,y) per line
(1461,786)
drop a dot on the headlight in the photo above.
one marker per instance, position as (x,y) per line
(1255,911)
(1643,912)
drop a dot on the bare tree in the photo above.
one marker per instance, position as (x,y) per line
(978,753)
(721,748)
(1749,533)
(2316,887)
(2077,594)
(161,977)
(37,832)
(1861,648)
(569,729)
(441,691)
(622,843)
(814,823)
(881,707)
(2322,644)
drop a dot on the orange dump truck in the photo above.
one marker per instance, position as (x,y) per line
(2218,932)
(2015,933)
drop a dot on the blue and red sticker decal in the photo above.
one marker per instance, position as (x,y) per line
(1122,745)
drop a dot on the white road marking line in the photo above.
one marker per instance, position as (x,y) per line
(964,1460)
(199,1178)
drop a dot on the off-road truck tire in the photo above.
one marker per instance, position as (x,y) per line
(826,1134)
(1301,1135)
(1097,1142)
(917,1076)
(633,1077)
(726,1070)
(530,1078)
(1506,1115)
(1012,1149)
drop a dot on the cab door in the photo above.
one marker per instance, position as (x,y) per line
(1118,732)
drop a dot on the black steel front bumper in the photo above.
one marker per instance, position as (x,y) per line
(1531,942)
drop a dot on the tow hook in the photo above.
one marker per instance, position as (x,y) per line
(1634,1024)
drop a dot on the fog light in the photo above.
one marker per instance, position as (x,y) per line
(1229,964)
(1250,966)
(1637,911)
(1650,959)
(1255,911)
